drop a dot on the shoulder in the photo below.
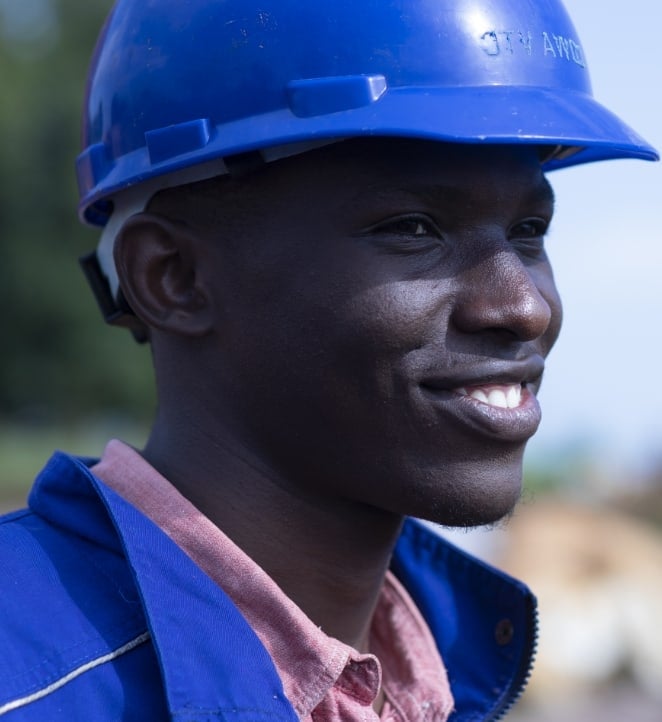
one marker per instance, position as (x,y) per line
(46,567)
(71,618)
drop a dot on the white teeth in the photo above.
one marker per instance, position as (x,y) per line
(514,396)
(497,397)
(504,397)
(479,395)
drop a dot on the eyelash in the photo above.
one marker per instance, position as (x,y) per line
(530,244)
(420,221)
(397,226)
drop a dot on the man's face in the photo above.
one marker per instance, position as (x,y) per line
(383,312)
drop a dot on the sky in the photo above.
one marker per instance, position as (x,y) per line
(602,392)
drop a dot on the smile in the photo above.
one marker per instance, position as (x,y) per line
(506,409)
(500,396)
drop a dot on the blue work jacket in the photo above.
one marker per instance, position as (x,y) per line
(103,618)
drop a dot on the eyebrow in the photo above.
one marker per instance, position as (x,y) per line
(540,192)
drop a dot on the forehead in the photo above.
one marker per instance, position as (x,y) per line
(381,166)
(337,179)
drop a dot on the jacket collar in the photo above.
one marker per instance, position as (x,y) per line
(484,621)
(212,664)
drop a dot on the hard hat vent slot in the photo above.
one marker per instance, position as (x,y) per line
(321,96)
(166,143)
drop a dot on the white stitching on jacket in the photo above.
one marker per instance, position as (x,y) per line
(11,706)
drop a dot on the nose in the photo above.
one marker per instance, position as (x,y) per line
(500,294)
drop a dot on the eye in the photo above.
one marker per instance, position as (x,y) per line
(528,236)
(411,238)
(414,225)
(407,234)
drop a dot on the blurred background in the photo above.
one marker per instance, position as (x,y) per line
(588,535)
(65,379)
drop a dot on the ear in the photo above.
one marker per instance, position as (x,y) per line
(157,262)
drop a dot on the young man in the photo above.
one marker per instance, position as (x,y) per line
(327,220)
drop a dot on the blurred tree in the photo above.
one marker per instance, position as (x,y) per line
(59,361)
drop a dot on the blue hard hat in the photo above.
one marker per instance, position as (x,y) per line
(176,84)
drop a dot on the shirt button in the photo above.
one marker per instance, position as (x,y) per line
(504,632)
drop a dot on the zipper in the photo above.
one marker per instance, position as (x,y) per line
(523,675)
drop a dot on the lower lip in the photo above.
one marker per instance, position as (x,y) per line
(511,425)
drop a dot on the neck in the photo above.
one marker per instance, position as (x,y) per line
(329,555)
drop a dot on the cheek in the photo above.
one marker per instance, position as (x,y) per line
(343,349)
(400,315)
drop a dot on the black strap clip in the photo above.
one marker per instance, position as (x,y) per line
(115,312)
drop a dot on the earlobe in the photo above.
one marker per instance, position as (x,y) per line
(158,267)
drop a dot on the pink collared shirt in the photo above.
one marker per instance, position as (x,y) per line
(324,679)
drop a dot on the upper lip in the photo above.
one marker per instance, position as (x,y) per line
(526,371)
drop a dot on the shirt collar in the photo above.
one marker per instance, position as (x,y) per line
(311,664)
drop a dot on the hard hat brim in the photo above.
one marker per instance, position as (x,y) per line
(488,114)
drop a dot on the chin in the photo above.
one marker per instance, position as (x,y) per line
(466,516)
(479,500)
